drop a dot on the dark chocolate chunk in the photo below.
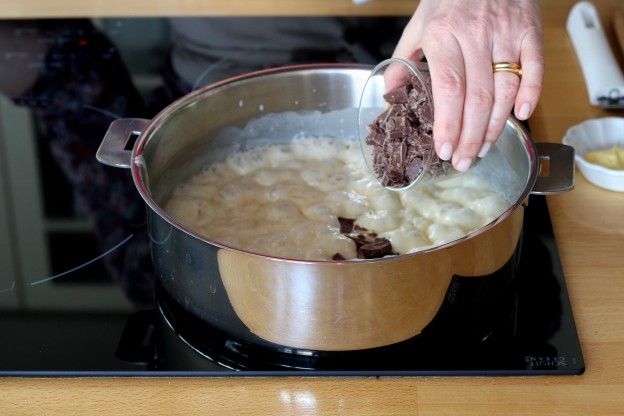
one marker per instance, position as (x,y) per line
(356,240)
(413,168)
(367,243)
(398,95)
(375,139)
(346,225)
(380,247)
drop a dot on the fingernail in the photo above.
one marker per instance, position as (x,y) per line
(484,149)
(524,111)
(446,151)
(463,165)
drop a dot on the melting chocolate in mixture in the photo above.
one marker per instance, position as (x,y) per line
(401,137)
(369,245)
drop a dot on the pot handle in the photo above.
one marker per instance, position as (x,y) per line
(114,149)
(559,177)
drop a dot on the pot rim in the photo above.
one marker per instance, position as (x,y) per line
(137,161)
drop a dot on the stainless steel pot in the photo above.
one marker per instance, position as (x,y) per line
(316,305)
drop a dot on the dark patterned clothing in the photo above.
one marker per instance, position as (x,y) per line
(82,87)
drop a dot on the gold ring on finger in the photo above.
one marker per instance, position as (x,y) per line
(507,67)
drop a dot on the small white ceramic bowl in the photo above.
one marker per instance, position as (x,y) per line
(597,134)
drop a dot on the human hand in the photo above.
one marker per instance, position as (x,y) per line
(461,40)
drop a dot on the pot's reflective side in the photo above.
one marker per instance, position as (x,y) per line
(323,306)
(187,268)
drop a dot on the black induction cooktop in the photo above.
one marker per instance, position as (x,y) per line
(77,295)
(493,325)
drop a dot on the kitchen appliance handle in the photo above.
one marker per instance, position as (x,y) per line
(559,177)
(603,76)
(114,149)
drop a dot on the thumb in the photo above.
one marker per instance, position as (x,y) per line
(409,48)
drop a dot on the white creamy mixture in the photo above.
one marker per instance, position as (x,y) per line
(285,200)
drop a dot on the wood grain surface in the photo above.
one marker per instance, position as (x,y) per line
(90,8)
(589,227)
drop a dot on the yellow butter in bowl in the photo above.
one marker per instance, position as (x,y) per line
(612,158)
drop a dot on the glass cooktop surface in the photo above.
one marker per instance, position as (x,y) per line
(77,294)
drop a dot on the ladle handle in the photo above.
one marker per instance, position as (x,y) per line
(115,147)
(556,169)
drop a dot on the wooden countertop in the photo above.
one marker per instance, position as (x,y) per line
(90,8)
(589,227)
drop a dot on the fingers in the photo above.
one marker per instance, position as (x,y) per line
(478,102)
(532,60)
(396,75)
(407,48)
(471,104)
(505,91)
(446,66)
